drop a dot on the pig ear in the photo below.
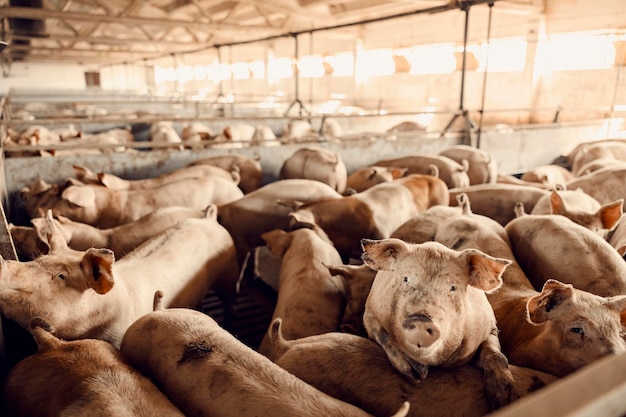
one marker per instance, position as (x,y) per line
(485,271)
(211,212)
(611,213)
(111,181)
(553,294)
(618,302)
(381,255)
(277,241)
(98,265)
(80,195)
(557,206)
(55,238)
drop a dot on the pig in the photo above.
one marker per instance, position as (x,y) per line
(202,130)
(548,246)
(331,128)
(163,132)
(265,136)
(598,164)
(482,167)
(310,299)
(407,126)
(250,170)
(549,175)
(87,294)
(205,370)
(266,209)
(582,209)
(364,178)
(358,281)
(298,130)
(617,237)
(512,179)
(592,151)
(423,226)
(373,385)
(42,194)
(114,182)
(84,377)
(315,163)
(120,239)
(428,307)
(605,185)
(240,132)
(102,207)
(451,172)
(349,219)
(497,201)
(538,329)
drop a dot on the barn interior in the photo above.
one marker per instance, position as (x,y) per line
(524,80)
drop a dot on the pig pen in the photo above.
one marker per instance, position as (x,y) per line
(516,150)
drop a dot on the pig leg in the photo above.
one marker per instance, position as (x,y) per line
(499,383)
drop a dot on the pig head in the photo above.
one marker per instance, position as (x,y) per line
(427,305)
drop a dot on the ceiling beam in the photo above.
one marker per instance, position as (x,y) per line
(41,14)
(104,40)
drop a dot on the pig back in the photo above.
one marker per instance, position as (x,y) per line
(205,370)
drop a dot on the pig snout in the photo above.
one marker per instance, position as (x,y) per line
(420,330)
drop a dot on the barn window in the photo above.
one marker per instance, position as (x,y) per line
(311,66)
(576,51)
(342,64)
(438,59)
(505,55)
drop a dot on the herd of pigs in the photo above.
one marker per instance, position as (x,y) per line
(427,285)
(70,140)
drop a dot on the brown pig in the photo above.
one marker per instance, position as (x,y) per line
(117,183)
(428,307)
(367,177)
(315,163)
(451,172)
(80,378)
(605,185)
(497,201)
(206,371)
(120,239)
(89,294)
(267,208)
(423,226)
(539,329)
(374,213)
(102,207)
(548,246)
(373,385)
(582,209)
(250,169)
(358,279)
(482,167)
(310,299)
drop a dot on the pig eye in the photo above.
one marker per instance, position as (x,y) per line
(578,330)
(405,279)
(453,288)
(61,276)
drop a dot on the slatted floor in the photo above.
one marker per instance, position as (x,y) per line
(254,306)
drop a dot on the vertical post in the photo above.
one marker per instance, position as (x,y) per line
(468,123)
(482,101)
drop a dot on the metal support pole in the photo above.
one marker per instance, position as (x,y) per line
(469,124)
(615,90)
(482,101)
(297,84)
(220,85)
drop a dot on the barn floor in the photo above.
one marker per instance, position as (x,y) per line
(254,306)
